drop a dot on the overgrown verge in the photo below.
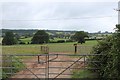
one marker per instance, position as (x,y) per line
(110,56)
(10,65)
(83,74)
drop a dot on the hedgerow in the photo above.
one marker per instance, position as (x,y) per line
(110,56)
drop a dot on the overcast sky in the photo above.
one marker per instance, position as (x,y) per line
(87,16)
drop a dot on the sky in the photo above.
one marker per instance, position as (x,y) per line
(60,15)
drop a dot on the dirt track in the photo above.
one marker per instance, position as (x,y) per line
(33,66)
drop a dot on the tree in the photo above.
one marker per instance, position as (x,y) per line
(17,36)
(40,37)
(79,36)
(109,49)
(9,39)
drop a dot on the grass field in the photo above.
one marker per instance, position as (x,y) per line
(56,39)
(26,40)
(53,47)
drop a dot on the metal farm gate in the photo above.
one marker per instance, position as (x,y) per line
(45,65)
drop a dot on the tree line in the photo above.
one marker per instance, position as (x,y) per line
(40,37)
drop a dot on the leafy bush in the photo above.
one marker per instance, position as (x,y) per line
(52,41)
(92,39)
(16,63)
(109,59)
(22,43)
(60,41)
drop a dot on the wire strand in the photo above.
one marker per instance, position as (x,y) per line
(64,18)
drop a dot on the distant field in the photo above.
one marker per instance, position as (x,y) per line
(25,40)
(53,47)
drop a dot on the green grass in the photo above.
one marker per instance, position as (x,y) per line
(69,48)
(83,74)
(16,62)
(25,40)
(90,43)
(53,47)
(21,49)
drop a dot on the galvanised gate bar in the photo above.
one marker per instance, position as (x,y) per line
(46,66)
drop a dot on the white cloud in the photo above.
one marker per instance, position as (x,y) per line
(44,11)
(59,0)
